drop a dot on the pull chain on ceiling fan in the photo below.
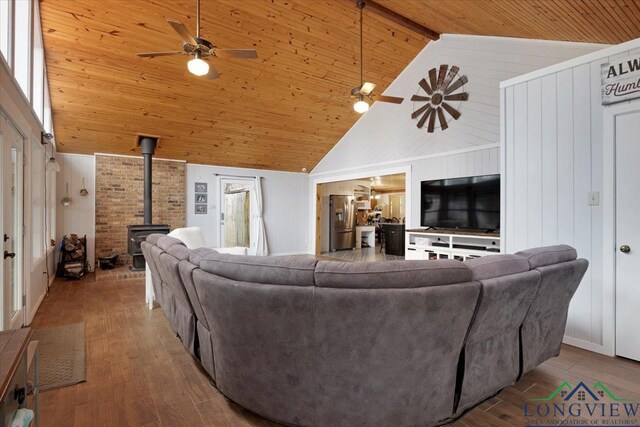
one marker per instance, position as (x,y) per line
(366,88)
(200,48)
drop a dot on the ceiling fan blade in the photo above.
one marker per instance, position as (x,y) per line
(442,119)
(420,111)
(420,98)
(454,113)
(367,88)
(441,74)
(433,78)
(391,99)
(424,117)
(425,86)
(183,32)
(432,122)
(154,54)
(212,74)
(457,97)
(237,53)
(461,81)
(452,73)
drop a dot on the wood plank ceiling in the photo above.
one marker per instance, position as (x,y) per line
(284,111)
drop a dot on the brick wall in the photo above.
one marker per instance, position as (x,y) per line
(119,199)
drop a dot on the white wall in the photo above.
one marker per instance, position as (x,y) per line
(285,198)
(80,217)
(387,135)
(553,157)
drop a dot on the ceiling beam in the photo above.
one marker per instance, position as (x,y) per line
(399,19)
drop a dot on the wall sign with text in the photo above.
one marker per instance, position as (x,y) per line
(621,80)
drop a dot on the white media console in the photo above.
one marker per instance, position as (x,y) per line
(435,244)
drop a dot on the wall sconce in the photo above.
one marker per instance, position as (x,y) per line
(45,138)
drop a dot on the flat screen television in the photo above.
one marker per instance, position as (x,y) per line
(463,203)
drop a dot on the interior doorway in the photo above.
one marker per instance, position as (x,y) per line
(11,163)
(237,207)
(349,214)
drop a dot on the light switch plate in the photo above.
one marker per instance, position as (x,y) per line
(594,198)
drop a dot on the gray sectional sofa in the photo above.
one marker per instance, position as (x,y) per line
(315,343)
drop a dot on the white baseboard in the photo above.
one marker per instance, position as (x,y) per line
(31,315)
(586,345)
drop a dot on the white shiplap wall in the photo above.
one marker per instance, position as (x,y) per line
(286,212)
(386,137)
(80,217)
(552,158)
(386,134)
(481,161)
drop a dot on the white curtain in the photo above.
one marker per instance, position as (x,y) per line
(262,248)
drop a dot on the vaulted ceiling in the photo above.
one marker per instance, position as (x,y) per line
(287,109)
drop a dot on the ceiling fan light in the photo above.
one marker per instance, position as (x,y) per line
(198,66)
(361,106)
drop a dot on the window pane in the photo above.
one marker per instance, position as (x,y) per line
(22,45)
(4,29)
(38,66)
(48,124)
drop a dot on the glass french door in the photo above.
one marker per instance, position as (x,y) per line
(237,200)
(12,197)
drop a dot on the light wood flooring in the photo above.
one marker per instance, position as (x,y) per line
(361,255)
(138,373)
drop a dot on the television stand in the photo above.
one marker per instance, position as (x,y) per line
(425,244)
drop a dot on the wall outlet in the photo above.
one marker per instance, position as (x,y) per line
(594,198)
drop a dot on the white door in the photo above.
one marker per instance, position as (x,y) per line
(12,187)
(237,207)
(627,146)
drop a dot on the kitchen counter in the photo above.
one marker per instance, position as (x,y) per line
(366,232)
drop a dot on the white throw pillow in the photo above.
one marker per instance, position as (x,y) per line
(191,236)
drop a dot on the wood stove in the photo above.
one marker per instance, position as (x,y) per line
(136,234)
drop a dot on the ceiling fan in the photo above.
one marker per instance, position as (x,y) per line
(200,48)
(365,90)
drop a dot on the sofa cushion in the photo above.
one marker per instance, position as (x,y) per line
(196,255)
(153,238)
(165,242)
(390,274)
(539,257)
(496,266)
(179,252)
(291,271)
(235,250)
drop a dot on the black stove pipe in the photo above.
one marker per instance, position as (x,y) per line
(148,148)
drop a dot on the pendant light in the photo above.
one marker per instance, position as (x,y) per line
(52,163)
(361,106)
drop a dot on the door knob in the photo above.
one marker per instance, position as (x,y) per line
(625,249)
(9,254)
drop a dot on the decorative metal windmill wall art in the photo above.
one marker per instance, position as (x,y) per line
(438,95)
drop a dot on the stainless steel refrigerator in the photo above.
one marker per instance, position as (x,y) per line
(342,223)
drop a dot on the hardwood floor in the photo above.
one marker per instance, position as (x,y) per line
(361,255)
(138,373)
